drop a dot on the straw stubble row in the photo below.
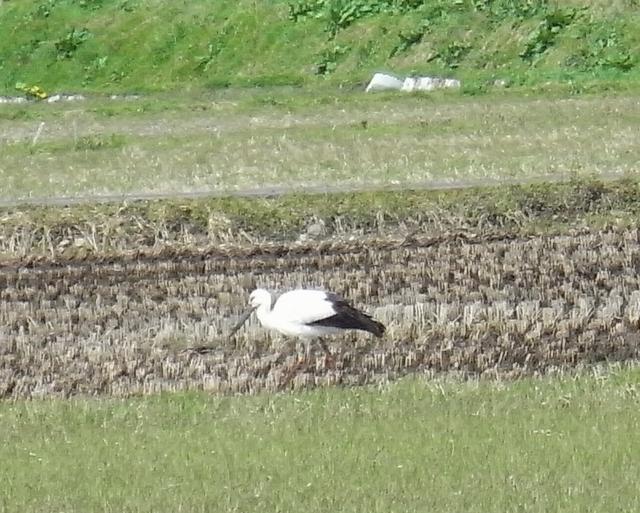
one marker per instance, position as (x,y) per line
(494,306)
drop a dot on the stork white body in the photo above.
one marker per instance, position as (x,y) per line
(294,311)
(308,314)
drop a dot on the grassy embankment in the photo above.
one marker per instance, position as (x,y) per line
(150,45)
(295,137)
(565,444)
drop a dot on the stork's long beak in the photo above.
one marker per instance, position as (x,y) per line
(241,321)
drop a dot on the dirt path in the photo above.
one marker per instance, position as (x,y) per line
(435,185)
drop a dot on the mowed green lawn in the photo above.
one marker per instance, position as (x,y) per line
(562,444)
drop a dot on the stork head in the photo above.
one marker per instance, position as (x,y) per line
(258,298)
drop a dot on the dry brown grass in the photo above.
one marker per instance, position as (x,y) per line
(352,141)
(99,230)
(494,306)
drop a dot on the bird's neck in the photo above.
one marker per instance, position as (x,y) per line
(264,313)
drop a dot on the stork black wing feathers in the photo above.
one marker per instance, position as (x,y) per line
(347,317)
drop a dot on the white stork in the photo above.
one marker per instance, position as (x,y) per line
(308,314)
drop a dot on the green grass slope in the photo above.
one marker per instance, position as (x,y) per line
(148,45)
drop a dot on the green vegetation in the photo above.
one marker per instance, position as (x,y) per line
(565,444)
(145,45)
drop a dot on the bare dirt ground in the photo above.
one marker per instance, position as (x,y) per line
(488,305)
